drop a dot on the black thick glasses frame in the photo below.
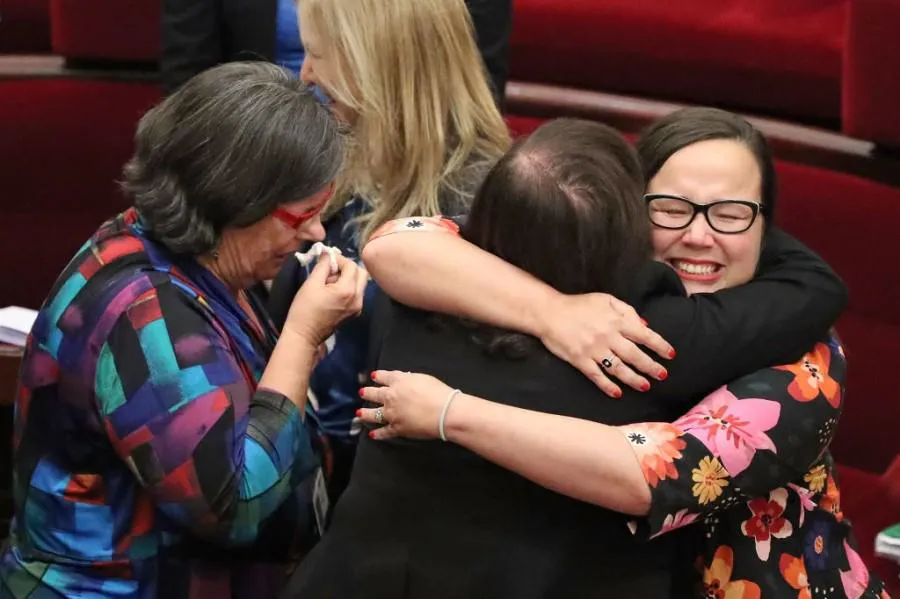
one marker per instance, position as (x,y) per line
(704,210)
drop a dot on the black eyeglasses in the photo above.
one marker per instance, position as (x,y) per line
(724,216)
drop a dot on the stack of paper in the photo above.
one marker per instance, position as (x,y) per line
(15,324)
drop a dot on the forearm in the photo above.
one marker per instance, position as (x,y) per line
(585,460)
(453,276)
(289,368)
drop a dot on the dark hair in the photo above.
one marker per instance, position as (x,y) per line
(688,126)
(225,150)
(565,205)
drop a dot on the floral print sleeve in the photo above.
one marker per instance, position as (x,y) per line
(749,467)
(758,433)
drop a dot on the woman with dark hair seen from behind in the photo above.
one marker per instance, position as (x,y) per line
(747,469)
(160,448)
(433,520)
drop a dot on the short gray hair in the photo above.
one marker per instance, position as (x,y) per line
(226,149)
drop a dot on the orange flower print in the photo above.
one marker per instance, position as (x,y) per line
(811,377)
(767,521)
(815,478)
(657,445)
(831,499)
(717,583)
(794,572)
(710,477)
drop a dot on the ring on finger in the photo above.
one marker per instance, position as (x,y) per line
(608,362)
(379,415)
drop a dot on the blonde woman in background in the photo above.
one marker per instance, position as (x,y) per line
(406,79)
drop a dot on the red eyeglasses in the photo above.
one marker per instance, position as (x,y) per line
(294,221)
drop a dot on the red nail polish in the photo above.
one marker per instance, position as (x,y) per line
(671,354)
(362,392)
(359,413)
(644,322)
(372,376)
(617,394)
(663,375)
(645,386)
(371,434)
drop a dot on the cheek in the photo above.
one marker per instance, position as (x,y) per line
(662,240)
(742,253)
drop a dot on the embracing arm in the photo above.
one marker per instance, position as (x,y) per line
(791,304)
(453,276)
(772,319)
(456,277)
(578,458)
(670,472)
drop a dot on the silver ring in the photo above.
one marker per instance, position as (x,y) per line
(608,362)
(379,415)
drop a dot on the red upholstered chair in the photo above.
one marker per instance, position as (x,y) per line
(871,61)
(63,146)
(773,56)
(815,61)
(807,60)
(24,26)
(113,30)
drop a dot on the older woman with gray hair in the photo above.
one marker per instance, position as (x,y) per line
(160,443)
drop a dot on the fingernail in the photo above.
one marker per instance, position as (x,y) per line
(617,394)
(359,413)
(362,392)
(371,434)
(644,322)
(645,386)
(372,376)
(662,375)
(672,354)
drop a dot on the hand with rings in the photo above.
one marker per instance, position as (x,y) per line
(409,405)
(601,336)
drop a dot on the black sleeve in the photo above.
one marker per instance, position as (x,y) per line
(191,40)
(284,288)
(774,319)
(492,20)
(382,317)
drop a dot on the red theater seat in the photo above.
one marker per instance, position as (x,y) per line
(24,26)
(774,56)
(63,146)
(114,30)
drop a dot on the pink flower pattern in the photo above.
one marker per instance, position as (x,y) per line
(732,429)
(750,531)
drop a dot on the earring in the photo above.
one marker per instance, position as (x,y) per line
(215,255)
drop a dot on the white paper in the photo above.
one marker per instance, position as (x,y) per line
(15,324)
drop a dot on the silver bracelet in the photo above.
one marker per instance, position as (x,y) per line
(447,403)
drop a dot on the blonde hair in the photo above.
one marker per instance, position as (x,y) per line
(427,124)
